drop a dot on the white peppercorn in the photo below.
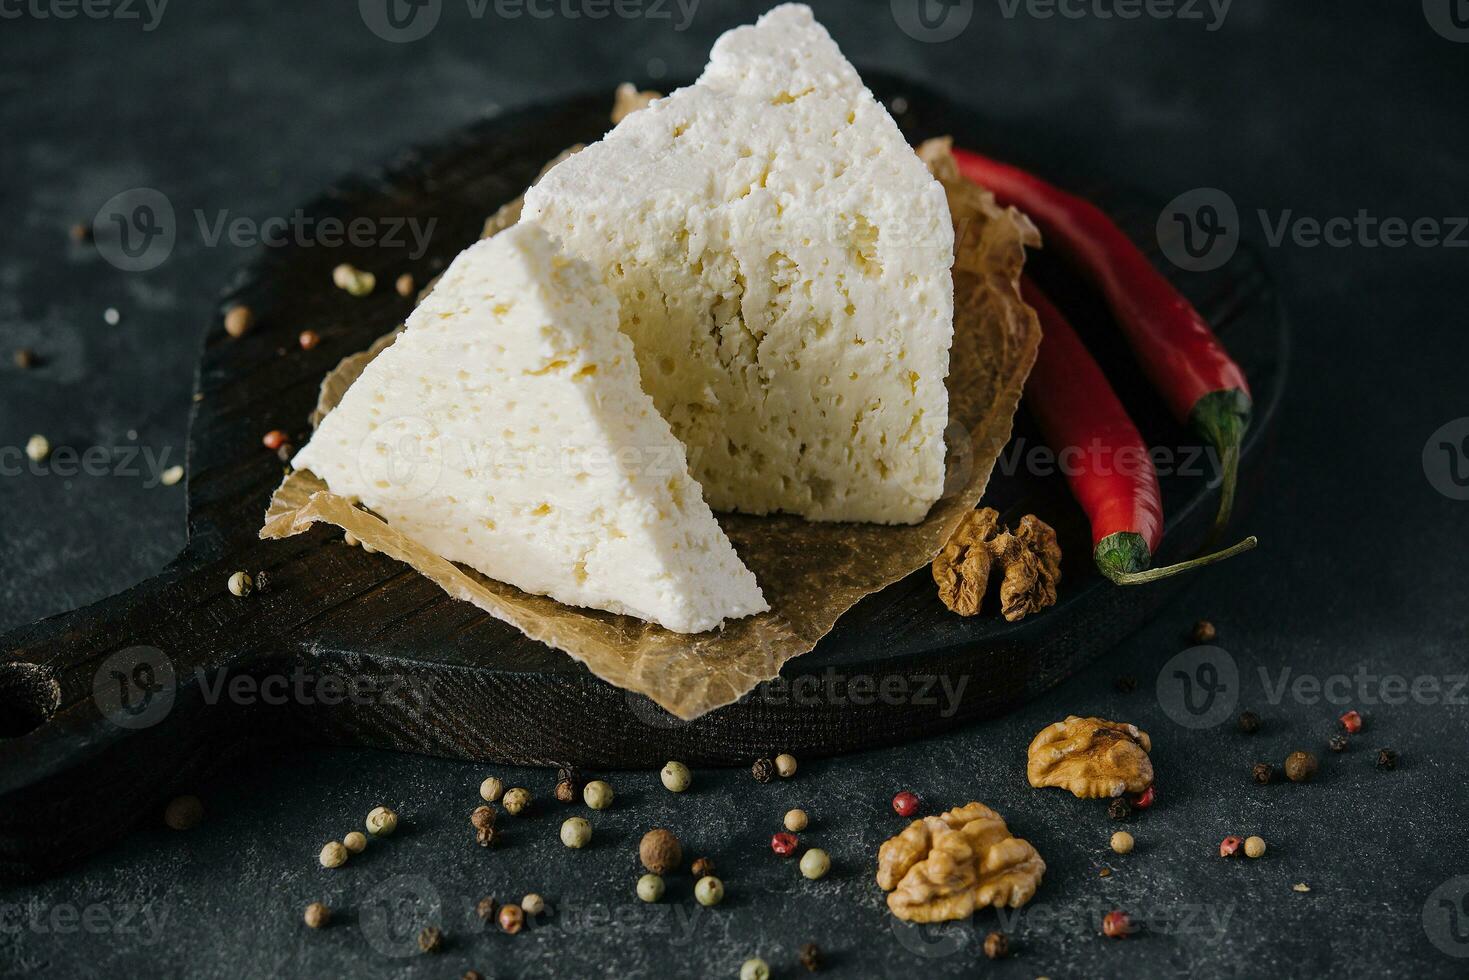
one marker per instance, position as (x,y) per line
(1122,842)
(676,777)
(533,904)
(597,794)
(381,821)
(815,863)
(650,887)
(576,832)
(333,855)
(241,584)
(355,842)
(785,765)
(1254,847)
(515,800)
(491,789)
(755,968)
(709,890)
(38,447)
(796,820)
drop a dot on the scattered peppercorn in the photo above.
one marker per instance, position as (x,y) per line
(512,917)
(1204,632)
(709,890)
(598,794)
(171,476)
(784,843)
(486,908)
(241,584)
(317,915)
(676,777)
(754,968)
(431,939)
(238,320)
(333,854)
(565,791)
(183,813)
(660,851)
(785,765)
(1387,759)
(286,452)
(24,358)
(1229,846)
(997,946)
(483,822)
(1300,767)
(353,280)
(1338,743)
(815,863)
(381,821)
(1116,925)
(38,447)
(533,904)
(1125,684)
(576,832)
(1254,847)
(905,804)
(273,439)
(763,770)
(1352,721)
(309,339)
(1122,842)
(404,285)
(472,975)
(355,842)
(702,867)
(650,887)
(1119,808)
(810,957)
(1104,872)
(491,789)
(81,232)
(1263,772)
(796,820)
(1145,799)
(516,800)
(1249,722)
(111,316)
(569,782)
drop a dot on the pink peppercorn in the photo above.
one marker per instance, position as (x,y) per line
(784,843)
(905,804)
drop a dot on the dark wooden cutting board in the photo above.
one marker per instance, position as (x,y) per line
(107,711)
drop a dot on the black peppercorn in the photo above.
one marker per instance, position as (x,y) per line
(1263,772)
(810,957)
(1249,722)
(1338,743)
(1119,808)
(431,939)
(763,770)
(486,908)
(1387,759)
(1125,684)
(1204,632)
(997,945)
(572,775)
(1300,767)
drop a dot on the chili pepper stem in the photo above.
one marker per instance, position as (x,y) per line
(1222,418)
(1123,557)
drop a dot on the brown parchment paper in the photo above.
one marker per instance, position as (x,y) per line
(811,573)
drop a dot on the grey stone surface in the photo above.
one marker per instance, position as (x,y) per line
(1299,110)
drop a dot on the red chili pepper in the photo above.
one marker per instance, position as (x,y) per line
(1203,386)
(1110,470)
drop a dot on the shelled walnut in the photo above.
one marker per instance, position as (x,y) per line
(946,867)
(1029,558)
(1091,757)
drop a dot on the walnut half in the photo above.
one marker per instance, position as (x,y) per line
(1091,757)
(946,867)
(1030,560)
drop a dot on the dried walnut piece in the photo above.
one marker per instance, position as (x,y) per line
(1091,757)
(1029,558)
(946,867)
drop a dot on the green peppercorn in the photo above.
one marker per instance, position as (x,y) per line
(815,863)
(650,887)
(755,968)
(709,890)
(676,777)
(598,794)
(576,832)
(381,821)
(515,801)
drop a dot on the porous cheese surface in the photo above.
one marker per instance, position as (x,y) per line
(782,260)
(505,429)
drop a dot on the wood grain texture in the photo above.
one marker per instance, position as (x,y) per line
(353,648)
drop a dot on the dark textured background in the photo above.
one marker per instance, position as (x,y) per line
(1319,109)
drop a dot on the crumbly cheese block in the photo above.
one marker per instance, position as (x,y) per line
(782,260)
(505,429)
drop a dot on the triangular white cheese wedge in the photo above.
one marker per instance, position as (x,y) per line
(505,429)
(782,261)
